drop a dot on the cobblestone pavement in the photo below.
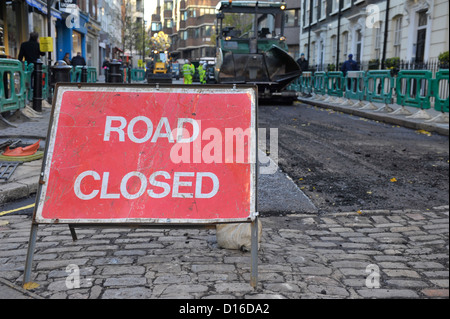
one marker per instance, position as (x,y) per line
(301,256)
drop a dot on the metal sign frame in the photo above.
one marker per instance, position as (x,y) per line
(148,223)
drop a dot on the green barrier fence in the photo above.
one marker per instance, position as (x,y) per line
(28,73)
(12,85)
(441,91)
(379,86)
(320,83)
(354,85)
(335,81)
(414,88)
(91,75)
(45,82)
(75,74)
(137,75)
(294,86)
(306,83)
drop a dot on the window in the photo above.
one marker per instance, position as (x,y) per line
(168,23)
(345,44)
(315,10)
(347,3)
(358,45)
(156,26)
(422,18)
(397,36)
(291,18)
(378,40)
(168,5)
(306,13)
(333,47)
(335,5)
(323,9)
(207,31)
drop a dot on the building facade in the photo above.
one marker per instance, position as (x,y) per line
(75,26)
(190,25)
(412,30)
(292,27)
(110,35)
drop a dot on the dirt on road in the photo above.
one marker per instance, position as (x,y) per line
(348,163)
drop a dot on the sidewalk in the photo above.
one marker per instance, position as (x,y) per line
(377,112)
(372,254)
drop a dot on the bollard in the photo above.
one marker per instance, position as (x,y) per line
(84,74)
(114,74)
(37,87)
(61,72)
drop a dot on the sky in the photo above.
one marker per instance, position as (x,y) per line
(149,7)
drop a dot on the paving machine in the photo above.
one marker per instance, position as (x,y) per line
(251,48)
(159,69)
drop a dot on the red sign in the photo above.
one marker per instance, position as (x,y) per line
(146,155)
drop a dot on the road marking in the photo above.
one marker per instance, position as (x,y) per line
(16,210)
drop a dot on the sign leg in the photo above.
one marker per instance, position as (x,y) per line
(30,253)
(254,268)
(73,233)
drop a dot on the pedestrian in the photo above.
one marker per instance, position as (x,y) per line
(188,72)
(67,59)
(349,65)
(78,60)
(303,63)
(30,50)
(202,72)
(105,67)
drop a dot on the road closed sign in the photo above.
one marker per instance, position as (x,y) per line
(137,154)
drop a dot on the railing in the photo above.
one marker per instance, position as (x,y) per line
(412,88)
(12,85)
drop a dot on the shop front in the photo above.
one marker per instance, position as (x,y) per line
(72,35)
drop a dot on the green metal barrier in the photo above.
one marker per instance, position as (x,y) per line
(335,81)
(137,75)
(354,85)
(441,91)
(414,88)
(294,85)
(91,74)
(379,86)
(45,82)
(320,83)
(75,74)
(306,83)
(12,85)
(28,71)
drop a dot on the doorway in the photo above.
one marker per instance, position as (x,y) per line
(421,36)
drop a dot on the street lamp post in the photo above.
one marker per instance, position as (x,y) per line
(338,44)
(49,26)
(143,31)
(388,4)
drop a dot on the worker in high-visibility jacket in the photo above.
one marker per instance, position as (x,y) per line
(188,72)
(202,73)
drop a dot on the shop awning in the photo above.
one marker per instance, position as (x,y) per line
(41,6)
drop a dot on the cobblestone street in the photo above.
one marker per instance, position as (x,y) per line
(301,256)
